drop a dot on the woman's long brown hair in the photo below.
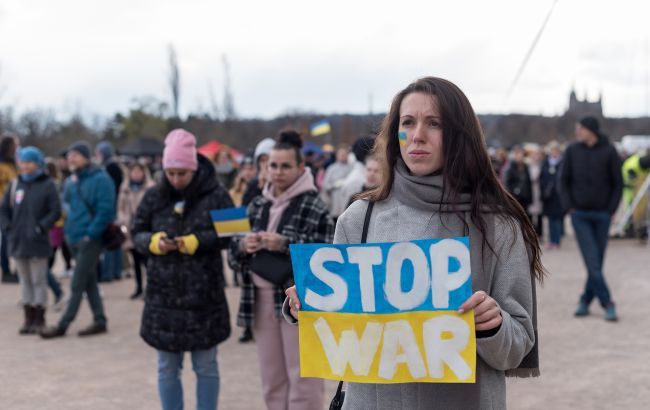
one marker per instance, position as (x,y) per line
(466,164)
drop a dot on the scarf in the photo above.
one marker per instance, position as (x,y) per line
(304,183)
(31,177)
(425,192)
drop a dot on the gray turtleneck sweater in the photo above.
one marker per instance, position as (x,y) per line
(506,279)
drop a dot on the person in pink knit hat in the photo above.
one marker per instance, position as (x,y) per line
(185,304)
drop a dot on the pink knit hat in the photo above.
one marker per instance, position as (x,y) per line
(180,150)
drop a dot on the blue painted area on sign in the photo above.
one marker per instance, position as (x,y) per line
(431,274)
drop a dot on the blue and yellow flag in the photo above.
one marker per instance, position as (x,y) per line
(230,221)
(321,127)
(386,312)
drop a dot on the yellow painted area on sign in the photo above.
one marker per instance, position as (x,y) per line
(423,346)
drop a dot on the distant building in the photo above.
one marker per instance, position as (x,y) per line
(579,108)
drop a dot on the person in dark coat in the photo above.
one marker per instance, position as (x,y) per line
(28,211)
(8,172)
(591,189)
(552,206)
(185,302)
(518,179)
(111,265)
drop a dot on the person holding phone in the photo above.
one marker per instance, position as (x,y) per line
(185,307)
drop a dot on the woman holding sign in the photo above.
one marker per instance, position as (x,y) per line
(437,182)
(288,211)
(185,306)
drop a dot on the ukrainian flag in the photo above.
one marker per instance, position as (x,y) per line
(230,221)
(321,127)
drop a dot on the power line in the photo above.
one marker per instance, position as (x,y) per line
(530,51)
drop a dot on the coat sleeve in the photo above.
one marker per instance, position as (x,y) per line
(53,208)
(5,210)
(564,189)
(512,289)
(322,232)
(103,204)
(615,165)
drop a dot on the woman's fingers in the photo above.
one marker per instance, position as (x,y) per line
(490,324)
(294,302)
(473,301)
(488,315)
(292,294)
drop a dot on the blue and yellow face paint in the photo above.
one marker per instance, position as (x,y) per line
(402,138)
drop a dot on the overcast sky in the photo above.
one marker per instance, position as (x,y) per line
(326,56)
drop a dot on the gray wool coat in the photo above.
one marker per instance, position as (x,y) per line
(506,279)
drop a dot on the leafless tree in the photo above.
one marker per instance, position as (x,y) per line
(214,106)
(174,79)
(228,103)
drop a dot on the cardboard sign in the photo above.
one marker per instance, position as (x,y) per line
(386,312)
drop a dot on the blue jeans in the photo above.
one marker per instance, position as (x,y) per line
(54,285)
(555,229)
(170,389)
(84,279)
(111,267)
(592,231)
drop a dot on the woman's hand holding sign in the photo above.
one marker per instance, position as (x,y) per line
(487,313)
(294,301)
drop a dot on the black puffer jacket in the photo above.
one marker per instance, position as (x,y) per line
(185,304)
(591,177)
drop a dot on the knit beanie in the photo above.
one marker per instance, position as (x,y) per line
(590,123)
(180,150)
(263,148)
(106,149)
(81,147)
(31,154)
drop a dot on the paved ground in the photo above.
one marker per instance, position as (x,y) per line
(586,363)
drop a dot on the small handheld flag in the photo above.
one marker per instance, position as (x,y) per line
(230,221)
(320,128)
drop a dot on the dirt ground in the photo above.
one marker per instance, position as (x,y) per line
(585,363)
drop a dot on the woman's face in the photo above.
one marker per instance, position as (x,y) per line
(136,174)
(373,173)
(283,169)
(420,133)
(179,178)
(27,167)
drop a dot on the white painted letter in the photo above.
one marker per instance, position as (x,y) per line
(444,282)
(336,300)
(366,257)
(397,254)
(440,351)
(398,336)
(349,350)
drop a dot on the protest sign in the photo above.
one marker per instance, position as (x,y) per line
(386,312)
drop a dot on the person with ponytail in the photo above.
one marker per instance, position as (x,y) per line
(288,211)
(437,182)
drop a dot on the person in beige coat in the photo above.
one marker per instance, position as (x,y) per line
(131,193)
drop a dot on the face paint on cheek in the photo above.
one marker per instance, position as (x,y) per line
(402,138)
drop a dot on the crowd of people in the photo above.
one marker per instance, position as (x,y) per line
(428,173)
